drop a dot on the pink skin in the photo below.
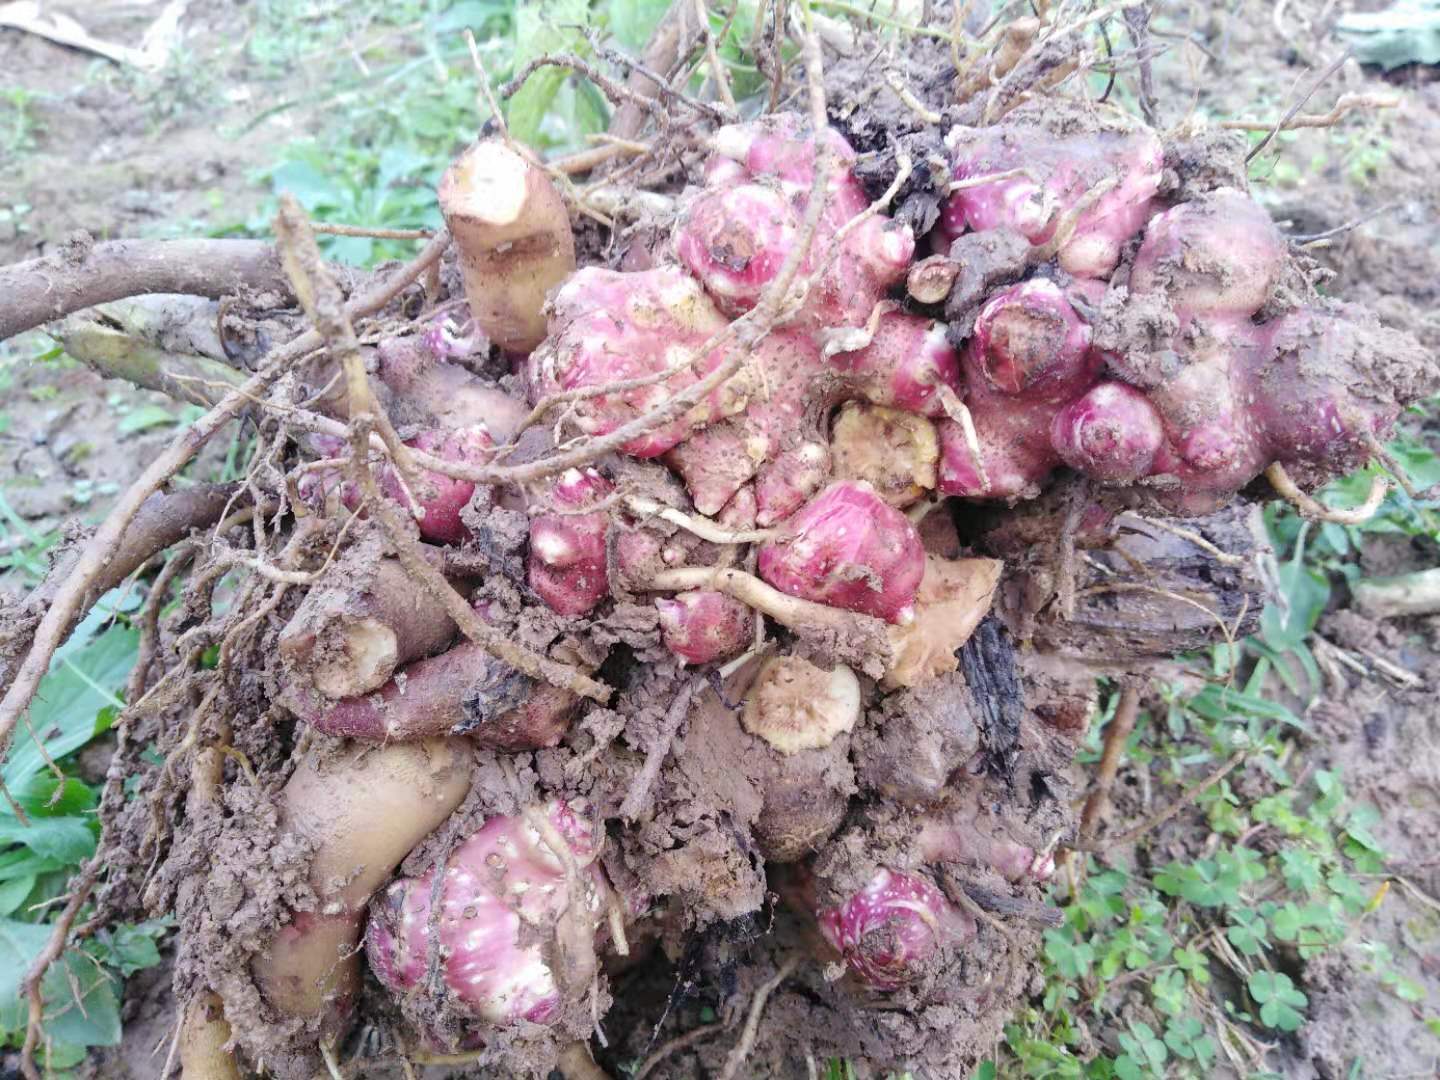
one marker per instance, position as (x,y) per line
(1030,341)
(443,497)
(904,366)
(704,626)
(1216,258)
(608,326)
(785,483)
(948,839)
(716,462)
(850,549)
(1112,433)
(440,497)
(566,565)
(503,886)
(1062,170)
(739,230)
(1307,414)
(890,930)
(1028,358)
(427,699)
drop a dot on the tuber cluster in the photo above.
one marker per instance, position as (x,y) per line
(788,534)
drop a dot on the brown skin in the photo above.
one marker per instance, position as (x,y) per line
(362,809)
(955,594)
(203,1035)
(513,232)
(82,273)
(462,688)
(346,640)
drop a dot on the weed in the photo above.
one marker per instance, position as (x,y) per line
(1163,966)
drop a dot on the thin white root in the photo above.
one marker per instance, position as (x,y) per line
(1313,510)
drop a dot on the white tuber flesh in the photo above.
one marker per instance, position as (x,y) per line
(794,705)
(513,232)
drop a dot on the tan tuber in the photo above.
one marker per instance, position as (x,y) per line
(513,233)
(361,810)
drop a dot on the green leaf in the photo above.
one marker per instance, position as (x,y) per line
(633,21)
(87,672)
(1278,999)
(145,417)
(81,1007)
(1406,32)
(307,183)
(538,30)
(130,947)
(13,893)
(66,840)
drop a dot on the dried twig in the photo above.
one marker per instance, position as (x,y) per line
(675,1045)
(1346,103)
(1291,112)
(31,984)
(1187,797)
(321,299)
(657,753)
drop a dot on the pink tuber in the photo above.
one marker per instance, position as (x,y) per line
(464,690)
(739,230)
(566,567)
(1030,355)
(703,626)
(647,329)
(895,928)
(849,549)
(1103,181)
(501,906)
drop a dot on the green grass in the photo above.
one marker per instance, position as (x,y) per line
(1210,943)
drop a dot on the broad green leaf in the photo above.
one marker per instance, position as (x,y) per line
(633,21)
(81,1007)
(85,676)
(540,28)
(307,183)
(1405,32)
(66,840)
(14,892)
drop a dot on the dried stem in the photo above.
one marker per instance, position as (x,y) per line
(110,536)
(742,1048)
(321,299)
(655,757)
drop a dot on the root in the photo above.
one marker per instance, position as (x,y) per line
(30,984)
(655,757)
(1344,105)
(799,615)
(1291,113)
(204,1033)
(1314,510)
(742,1048)
(675,1045)
(91,567)
(321,299)
(1116,735)
(702,527)
(1186,798)
(576,1063)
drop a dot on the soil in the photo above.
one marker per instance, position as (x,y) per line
(100,165)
